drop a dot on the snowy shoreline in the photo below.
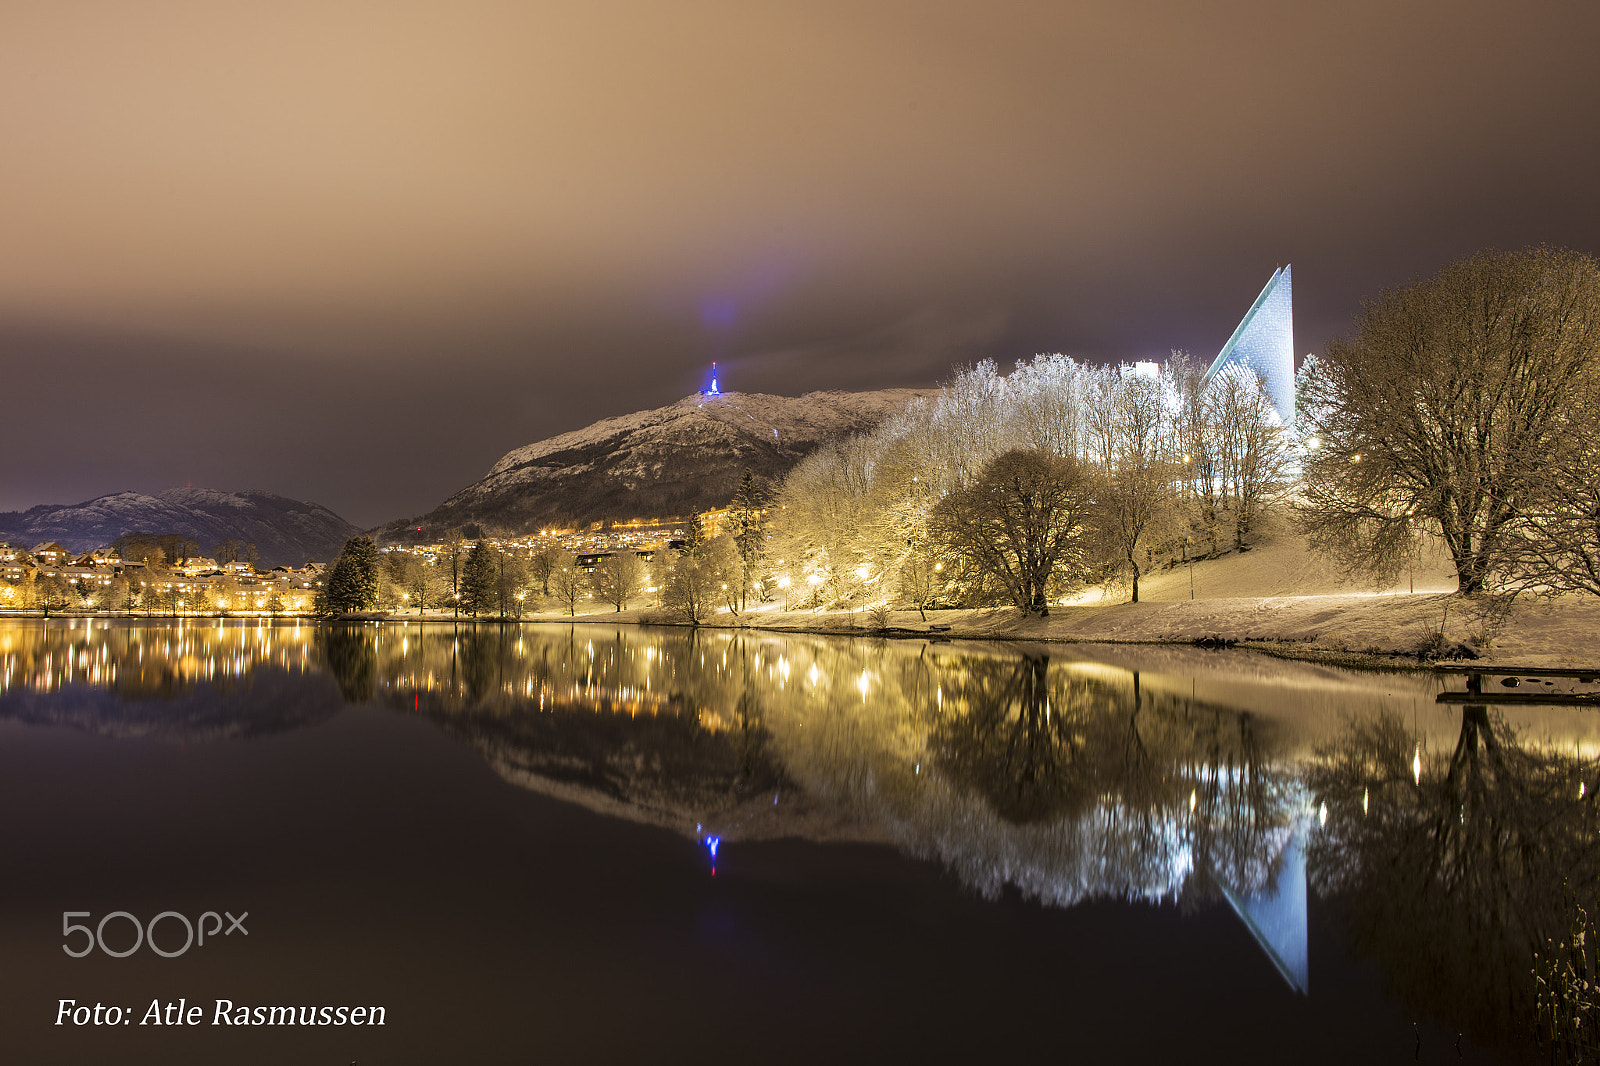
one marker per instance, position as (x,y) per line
(1389,631)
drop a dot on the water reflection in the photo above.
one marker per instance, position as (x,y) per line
(174,682)
(1177,776)
(1456,864)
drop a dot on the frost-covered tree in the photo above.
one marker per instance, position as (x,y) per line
(1136,499)
(618,578)
(691,590)
(1248,448)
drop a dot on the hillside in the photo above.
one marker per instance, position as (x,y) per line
(284,531)
(685,457)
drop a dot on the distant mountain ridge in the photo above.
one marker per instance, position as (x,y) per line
(685,457)
(284,531)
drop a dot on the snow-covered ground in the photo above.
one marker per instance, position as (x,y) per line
(1276,592)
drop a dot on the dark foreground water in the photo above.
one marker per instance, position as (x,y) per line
(545,844)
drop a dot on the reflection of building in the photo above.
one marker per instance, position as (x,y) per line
(1276,914)
(1263,342)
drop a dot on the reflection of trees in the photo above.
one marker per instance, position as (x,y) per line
(1032,758)
(349,653)
(1453,866)
(668,728)
(482,652)
(1160,790)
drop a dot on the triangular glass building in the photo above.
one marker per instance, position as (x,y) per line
(1264,342)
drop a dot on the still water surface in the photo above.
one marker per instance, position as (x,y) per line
(591,844)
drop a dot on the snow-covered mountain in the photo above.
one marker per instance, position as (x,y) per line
(284,531)
(685,457)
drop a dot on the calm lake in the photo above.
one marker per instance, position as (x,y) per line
(554,844)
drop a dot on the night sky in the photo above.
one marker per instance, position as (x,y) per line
(354,252)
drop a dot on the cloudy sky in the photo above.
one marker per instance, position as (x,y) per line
(354,252)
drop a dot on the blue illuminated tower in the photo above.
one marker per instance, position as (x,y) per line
(713,390)
(1264,343)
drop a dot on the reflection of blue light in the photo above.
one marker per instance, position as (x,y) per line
(713,843)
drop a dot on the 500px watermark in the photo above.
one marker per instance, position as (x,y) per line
(145,933)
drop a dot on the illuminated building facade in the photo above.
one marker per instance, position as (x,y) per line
(1263,342)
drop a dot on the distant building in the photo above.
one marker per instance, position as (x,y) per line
(587,561)
(1263,342)
(50,553)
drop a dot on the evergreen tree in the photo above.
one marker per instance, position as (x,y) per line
(747,518)
(478,580)
(351,583)
(694,540)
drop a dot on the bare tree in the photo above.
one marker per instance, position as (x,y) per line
(452,557)
(1248,449)
(569,583)
(419,582)
(1557,538)
(1021,523)
(1444,406)
(509,577)
(544,561)
(229,549)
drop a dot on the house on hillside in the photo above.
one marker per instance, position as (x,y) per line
(50,554)
(15,569)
